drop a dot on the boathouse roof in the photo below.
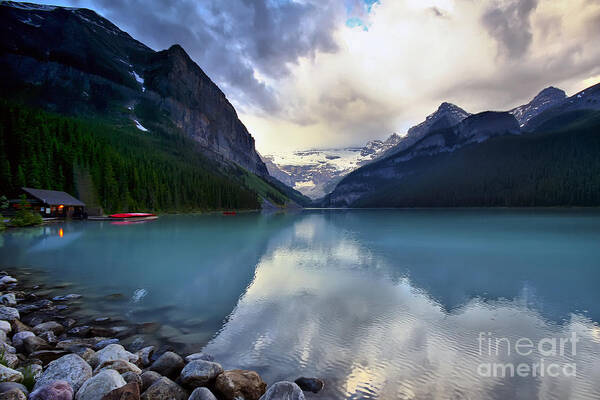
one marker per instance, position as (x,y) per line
(53,197)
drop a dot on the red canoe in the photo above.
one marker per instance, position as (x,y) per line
(132,215)
(228,212)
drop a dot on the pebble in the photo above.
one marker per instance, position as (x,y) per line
(169,364)
(57,390)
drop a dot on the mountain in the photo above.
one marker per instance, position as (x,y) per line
(315,173)
(73,62)
(588,99)
(544,100)
(96,67)
(488,159)
(445,116)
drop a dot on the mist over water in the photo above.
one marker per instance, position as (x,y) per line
(378,303)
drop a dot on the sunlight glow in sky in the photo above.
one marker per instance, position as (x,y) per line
(332,73)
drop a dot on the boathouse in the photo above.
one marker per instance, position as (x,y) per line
(52,203)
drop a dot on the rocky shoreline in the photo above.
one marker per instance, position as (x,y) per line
(46,354)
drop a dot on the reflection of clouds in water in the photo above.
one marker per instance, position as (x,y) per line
(306,314)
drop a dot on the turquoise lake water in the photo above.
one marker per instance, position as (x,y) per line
(388,304)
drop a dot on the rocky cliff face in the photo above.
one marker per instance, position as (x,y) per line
(77,62)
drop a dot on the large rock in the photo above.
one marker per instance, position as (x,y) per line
(120,366)
(8,299)
(310,384)
(11,360)
(17,339)
(9,313)
(283,391)
(168,364)
(148,378)
(199,356)
(5,326)
(34,343)
(132,377)
(163,389)
(131,391)
(53,326)
(200,373)
(202,393)
(6,386)
(57,390)
(9,374)
(70,368)
(113,352)
(18,326)
(145,355)
(14,394)
(47,356)
(238,383)
(95,388)
(5,280)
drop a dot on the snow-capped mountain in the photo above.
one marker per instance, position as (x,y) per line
(316,172)
(445,116)
(545,99)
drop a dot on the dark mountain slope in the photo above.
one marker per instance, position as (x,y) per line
(552,167)
(74,61)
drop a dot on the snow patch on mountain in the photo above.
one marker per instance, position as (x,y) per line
(315,172)
(544,100)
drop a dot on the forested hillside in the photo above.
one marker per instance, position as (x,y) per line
(559,165)
(131,170)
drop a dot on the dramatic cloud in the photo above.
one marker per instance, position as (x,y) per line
(330,73)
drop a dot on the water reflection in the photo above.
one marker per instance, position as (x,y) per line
(329,300)
(380,304)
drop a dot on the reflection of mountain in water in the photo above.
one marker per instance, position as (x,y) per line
(327,300)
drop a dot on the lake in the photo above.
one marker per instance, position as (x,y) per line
(387,304)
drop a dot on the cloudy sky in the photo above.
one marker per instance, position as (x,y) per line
(331,73)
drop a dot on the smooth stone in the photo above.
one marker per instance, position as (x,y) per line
(283,391)
(72,296)
(10,375)
(53,326)
(237,383)
(11,360)
(7,348)
(202,393)
(130,391)
(96,387)
(47,356)
(34,343)
(3,337)
(9,313)
(81,331)
(164,388)
(6,386)
(14,394)
(70,368)
(145,355)
(49,337)
(103,343)
(5,326)
(314,385)
(168,364)
(18,326)
(5,280)
(57,390)
(132,377)
(199,356)
(84,352)
(168,331)
(8,299)
(200,373)
(121,366)
(148,378)
(113,352)
(17,339)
